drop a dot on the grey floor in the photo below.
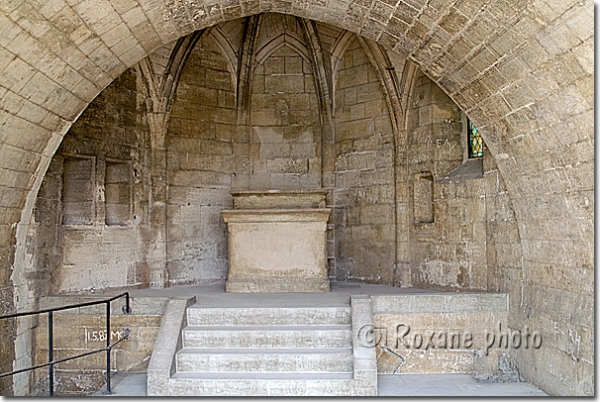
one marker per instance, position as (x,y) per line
(449,385)
(134,384)
(213,295)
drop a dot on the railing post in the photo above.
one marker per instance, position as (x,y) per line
(127,303)
(50,354)
(51,362)
(108,390)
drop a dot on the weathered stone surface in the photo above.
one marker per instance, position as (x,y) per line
(277,199)
(263,351)
(522,72)
(84,329)
(291,240)
(442,333)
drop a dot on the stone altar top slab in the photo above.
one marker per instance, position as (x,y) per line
(278,199)
(276,215)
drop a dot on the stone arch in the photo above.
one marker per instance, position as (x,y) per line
(277,43)
(396,34)
(508,65)
(160,88)
(226,48)
(339,48)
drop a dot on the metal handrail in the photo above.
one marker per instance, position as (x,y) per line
(51,362)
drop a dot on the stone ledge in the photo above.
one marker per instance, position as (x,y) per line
(468,170)
(285,285)
(168,341)
(440,303)
(139,305)
(276,215)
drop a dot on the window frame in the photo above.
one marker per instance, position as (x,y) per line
(466,140)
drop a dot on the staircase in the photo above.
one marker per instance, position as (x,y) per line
(264,351)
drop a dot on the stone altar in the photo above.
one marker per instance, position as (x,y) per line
(277,241)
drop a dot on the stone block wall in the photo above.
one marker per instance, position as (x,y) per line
(475,242)
(364,168)
(446,333)
(448,229)
(202,156)
(93,199)
(285,142)
(529,87)
(83,330)
(504,257)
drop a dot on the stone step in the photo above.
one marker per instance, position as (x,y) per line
(339,360)
(295,316)
(282,385)
(263,376)
(258,349)
(256,337)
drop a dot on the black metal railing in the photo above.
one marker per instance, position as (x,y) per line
(51,362)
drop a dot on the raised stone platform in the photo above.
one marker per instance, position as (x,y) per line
(221,324)
(301,345)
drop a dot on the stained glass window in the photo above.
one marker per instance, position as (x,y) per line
(475,141)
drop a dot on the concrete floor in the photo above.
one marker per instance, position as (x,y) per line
(126,384)
(449,385)
(213,295)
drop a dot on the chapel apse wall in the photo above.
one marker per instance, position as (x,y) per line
(201,145)
(364,166)
(448,222)
(215,142)
(284,110)
(297,126)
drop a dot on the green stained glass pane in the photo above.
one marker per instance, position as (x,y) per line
(475,142)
